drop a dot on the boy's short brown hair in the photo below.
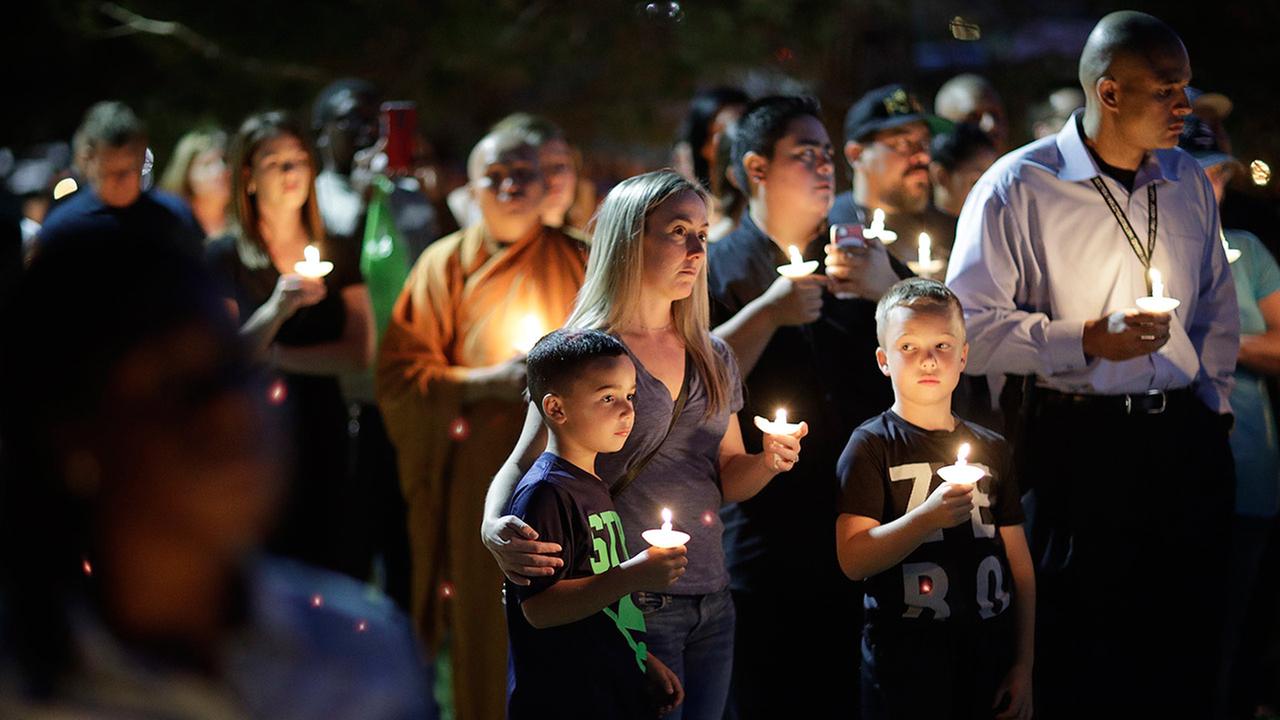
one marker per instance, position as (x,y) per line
(918,294)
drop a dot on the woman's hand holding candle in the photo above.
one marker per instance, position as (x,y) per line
(781,441)
(294,292)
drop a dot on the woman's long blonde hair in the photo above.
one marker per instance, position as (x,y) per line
(610,295)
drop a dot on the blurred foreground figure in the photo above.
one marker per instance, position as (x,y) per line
(138,480)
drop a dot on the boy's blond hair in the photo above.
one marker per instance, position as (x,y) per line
(918,294)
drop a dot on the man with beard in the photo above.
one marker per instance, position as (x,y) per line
(886,143)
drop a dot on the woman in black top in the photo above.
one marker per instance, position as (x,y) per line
(310,330)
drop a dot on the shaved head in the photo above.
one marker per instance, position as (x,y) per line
(961,94)
(970,98)
(1122,38)
(495,146)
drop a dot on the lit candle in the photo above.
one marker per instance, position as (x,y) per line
(926,250)
(778,425)
(797,267)
(312,266)
(665,537)
(962,473)
(877,229)
(1157,302)
(528,333)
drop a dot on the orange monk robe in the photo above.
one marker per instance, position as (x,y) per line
(465,303)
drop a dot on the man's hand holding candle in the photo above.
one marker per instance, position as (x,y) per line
(1125,334)
(795,301)
(854,271)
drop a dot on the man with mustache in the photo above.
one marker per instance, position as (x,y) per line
(886,143)
(1124,442)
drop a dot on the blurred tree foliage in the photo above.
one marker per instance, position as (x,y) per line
(614,73)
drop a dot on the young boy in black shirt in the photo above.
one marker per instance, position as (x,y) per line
(950,589)
(577,647)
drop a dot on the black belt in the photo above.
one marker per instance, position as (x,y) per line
(1151,402)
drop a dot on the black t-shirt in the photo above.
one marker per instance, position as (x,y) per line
(594,667)
(959,575)
(155,215)
(824,373)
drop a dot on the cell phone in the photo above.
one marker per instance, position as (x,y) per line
(848,235)
(399,121)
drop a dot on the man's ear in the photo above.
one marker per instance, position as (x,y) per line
(964,356)
(882,360)
(852,151)
(1108,91)
(553,408)
(755,165)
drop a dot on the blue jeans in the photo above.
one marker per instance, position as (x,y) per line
(693,635)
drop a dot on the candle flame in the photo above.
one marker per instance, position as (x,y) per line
(666,515)
(780,417)
(528,333)
(962,455)
(1157,283)
(311,254)
(925,241)
(796,257)
(878,216)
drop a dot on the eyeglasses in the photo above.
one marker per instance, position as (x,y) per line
(905,145)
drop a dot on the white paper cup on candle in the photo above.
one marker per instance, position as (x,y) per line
(798,267)
(665,537)
(778,425)
(1157,302)
(961,473)
(312,266)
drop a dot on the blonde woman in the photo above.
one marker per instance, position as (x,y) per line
(647,284)
(198,173)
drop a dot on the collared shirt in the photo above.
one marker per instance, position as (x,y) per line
(1038,252)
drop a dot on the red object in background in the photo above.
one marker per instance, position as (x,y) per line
(399,121)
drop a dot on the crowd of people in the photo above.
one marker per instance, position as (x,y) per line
(304,431)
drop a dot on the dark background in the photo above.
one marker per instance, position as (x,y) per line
(614,73)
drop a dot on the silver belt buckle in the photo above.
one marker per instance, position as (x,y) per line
(1164,403)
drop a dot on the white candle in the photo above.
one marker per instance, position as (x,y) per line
(797,267)
(778,425)
(312,266)
(962,473)
(926,250)
(665,537)
(1157,283)
(877,229)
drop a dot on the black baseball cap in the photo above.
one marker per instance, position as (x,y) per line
(887,107)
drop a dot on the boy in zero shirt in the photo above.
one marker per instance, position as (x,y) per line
(950,589)
(577,639)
